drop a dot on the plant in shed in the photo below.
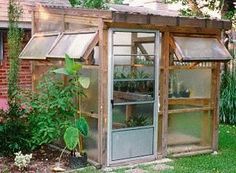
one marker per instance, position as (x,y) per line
(79,128)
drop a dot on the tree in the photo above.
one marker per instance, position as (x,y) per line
(98,4)
(224,7)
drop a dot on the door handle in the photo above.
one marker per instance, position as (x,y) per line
(112,103)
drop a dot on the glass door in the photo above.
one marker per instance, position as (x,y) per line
(134,94)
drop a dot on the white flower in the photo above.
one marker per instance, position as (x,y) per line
(22,161)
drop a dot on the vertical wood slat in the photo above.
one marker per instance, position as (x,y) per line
(103,93)
(215,104)
(215,99)
(164,92)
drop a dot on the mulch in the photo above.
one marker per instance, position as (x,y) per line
(43,160)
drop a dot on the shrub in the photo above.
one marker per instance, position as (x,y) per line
(228,98)
(14,133)
(50,110)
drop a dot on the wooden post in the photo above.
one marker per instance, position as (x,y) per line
(215,104)
(103,93)
(164,92)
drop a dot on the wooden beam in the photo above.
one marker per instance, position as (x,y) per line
(143,50)
(164,92)
(103,93)
(82,12)
(215,93)
(172,29)
(144,40)
(189,101)
(170,20)
(91,46)
(82,20)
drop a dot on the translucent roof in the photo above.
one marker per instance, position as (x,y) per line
(73,44)
(200,49)
(38,46)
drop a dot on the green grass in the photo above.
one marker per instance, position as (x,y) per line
(223,162)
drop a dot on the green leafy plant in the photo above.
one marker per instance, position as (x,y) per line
(228,98)
(137,120)
(79,126)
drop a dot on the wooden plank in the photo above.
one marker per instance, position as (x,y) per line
(189,101)
(163,20)
(105,14)
(188,110)
(164,92)
(82,20)
(215,92)
(168,20)
(103,94)
(143,51)
(176,49)
(172,29)
(192,22)
(90,49)
(144,40)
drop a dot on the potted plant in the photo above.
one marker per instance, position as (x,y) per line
(78,127)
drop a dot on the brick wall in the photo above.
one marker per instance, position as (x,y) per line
(25,67)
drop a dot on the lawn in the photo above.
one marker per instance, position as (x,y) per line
(223,162)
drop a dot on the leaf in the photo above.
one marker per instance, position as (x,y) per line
(84,82)
(82,126)
(71,66)
(71,137)
(61,71)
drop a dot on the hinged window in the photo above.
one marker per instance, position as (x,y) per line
(199,49)
(77,45)
(39,46)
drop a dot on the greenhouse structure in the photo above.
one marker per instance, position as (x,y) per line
(154,88)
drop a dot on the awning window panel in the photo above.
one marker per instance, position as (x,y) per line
(39,46)
(200,49)
(73,44)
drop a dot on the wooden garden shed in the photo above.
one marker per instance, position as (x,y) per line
(154,78)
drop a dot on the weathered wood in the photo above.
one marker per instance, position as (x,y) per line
(91,46)
(103,93)
(215,92)
(168,20)
(143,51)
(82,20)
(189,101)
(172,29)
(144,40)
(164,92)
(75,11)
(188,110)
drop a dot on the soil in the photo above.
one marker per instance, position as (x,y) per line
(43,160)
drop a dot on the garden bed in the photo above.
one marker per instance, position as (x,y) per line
(43,160)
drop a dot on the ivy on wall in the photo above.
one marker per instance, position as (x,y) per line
(15,35)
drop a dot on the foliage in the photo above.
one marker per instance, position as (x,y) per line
(49,109)
(71,137)
(137,120)
(15,136)
(14,117)
(80,126)
(21,160)
(228,98)
(14,42)
(195,7)
(98,4)
(88,3)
